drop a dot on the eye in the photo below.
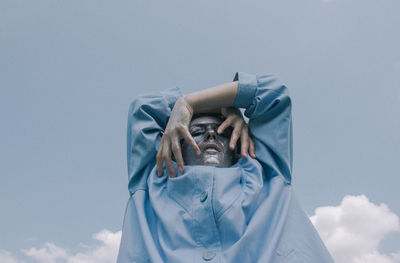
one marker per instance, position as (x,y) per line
(196,132)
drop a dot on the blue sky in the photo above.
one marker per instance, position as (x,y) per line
(69,69)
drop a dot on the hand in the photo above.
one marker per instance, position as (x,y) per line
(235,119)
(177,128)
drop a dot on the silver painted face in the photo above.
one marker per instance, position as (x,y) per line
(214,147)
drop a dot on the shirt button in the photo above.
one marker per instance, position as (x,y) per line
(203,196)
(207,256)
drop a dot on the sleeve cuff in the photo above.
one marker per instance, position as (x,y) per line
(246,90)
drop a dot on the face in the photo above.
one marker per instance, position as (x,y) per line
(214,147)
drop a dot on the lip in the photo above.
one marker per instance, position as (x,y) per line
(211,147)
(211,150)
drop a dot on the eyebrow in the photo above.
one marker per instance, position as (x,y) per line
(201,126)
(194,127)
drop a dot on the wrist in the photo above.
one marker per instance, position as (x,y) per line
(224,111)
(230,110)
(184,102)
(189,103)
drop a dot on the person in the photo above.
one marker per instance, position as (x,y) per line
(212,188)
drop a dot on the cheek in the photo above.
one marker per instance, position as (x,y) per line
(225,141)
(185,148)
(198,139)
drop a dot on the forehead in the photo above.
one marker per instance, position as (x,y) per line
(204,120)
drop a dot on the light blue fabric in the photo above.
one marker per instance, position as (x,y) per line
(245,213)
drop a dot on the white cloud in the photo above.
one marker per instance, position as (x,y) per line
(353,230)
(105,252)
(6,257)
(49,253)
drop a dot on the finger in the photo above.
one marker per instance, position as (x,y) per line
(252,148)
(224,125)
(167,159)
(176,150)
(159,161)
(244,138)
(235,136)
(189,139)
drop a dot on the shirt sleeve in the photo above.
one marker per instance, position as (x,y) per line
(268,106)
(147,119)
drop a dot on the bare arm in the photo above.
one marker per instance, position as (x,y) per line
(221,96)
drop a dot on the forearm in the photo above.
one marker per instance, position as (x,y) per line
(212,99)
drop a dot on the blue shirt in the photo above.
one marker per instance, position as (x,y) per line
(244,213)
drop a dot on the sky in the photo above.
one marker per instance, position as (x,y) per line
(69,70)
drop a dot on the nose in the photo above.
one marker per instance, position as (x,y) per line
(211,134)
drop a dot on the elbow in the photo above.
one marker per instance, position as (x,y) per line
(273,82)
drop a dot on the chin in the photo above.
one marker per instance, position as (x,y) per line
(211,162)
(211,158)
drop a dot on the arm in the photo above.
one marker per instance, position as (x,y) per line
(147,119)
(268,106)
(217,97)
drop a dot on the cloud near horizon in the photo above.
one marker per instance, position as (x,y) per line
(352,232)
(105,252)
